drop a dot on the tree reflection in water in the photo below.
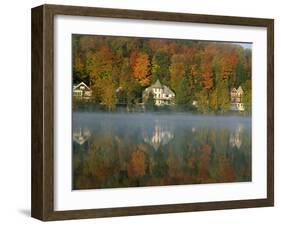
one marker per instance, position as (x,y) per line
(118,150)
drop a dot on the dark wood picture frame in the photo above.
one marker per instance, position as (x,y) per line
(42,203)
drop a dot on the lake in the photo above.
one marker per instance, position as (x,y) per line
(112,150)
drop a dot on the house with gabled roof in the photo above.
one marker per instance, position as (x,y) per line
(82,91)
(236,96)
(162,94)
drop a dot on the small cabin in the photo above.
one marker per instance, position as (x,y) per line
(82,91)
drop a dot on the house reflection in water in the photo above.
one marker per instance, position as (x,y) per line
(235,138)
(81,135)
(161,135)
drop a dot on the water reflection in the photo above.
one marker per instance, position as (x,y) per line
(81,135)
(235,137)
(162,134)
(118,150)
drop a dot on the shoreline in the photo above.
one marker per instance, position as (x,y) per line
(167,113)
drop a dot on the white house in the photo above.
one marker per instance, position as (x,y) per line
(236,96)
(82,91)
(162,94)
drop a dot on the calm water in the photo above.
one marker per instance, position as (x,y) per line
(142,149)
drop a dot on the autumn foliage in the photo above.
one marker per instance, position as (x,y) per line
(136,164)
(141,68)
(199,71)
(203,157)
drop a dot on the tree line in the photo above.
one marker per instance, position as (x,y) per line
(118,69)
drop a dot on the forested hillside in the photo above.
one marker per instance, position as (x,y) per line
(198,71)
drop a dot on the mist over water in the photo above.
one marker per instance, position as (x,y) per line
(152,149)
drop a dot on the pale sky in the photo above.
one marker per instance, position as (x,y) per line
(246,45)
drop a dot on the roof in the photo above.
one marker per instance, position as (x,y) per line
(240,90)
(119,89)
(80,84)
(167,90)
(157,84)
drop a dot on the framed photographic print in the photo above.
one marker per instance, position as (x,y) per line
(141,112)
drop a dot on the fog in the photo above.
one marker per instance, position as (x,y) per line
(158,129)
(146,120)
